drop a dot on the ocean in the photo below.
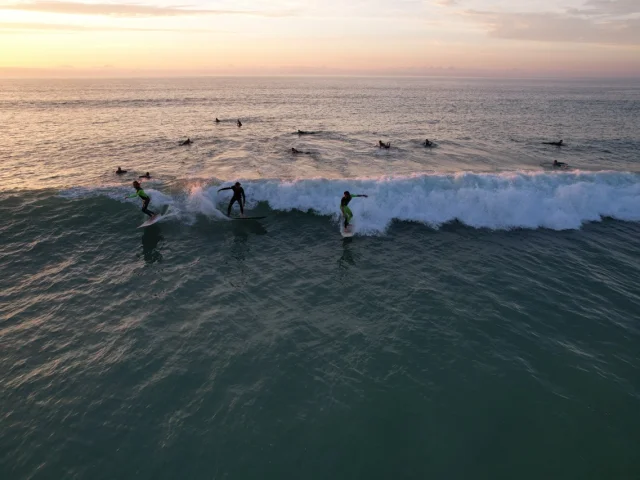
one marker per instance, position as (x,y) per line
(483,322)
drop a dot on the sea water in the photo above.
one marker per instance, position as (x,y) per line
(483,322)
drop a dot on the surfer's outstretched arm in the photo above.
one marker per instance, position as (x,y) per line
(360,195)
(225,188)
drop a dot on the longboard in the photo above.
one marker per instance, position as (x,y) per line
(156,218)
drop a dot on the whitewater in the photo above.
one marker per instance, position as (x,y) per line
(503,201)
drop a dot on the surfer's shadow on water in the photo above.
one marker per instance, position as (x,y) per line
(151,237)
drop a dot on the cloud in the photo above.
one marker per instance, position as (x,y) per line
(553,27)
(127,9)
(13,28)
(609,7)
(446,3)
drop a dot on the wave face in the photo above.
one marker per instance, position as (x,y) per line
(503,201)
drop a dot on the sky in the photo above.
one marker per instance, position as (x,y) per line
(510,38)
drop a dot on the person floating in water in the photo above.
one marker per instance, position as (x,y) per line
(557,164)
(295,151)
(186,142)
(146,199)
(344,207)
(238,196)
(428,143)
(239,123)
(381,144)
(217,121)
(120,171)
(146,175)
(557,144)
(302,132)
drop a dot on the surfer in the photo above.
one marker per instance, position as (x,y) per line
(557,164)
(295,151)
(302,132)
(557,144)
(146,175)
(120,171)
(239,123)
(186,142)
(146,199)
(217,121)
(381,144)
(238,196)
(344,207)
(428,143)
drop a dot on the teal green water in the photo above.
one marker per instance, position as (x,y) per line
(482,323)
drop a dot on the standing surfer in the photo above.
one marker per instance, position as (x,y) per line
(344,207)
(238,196)
(146,199)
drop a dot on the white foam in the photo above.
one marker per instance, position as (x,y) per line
(497,201)
(558,200)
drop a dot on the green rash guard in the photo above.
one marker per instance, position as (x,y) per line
(139,193)
(346,211)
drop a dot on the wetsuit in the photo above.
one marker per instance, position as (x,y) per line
(146,199)
(346,211)
(238,196)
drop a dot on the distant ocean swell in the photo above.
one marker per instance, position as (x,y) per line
(501,201)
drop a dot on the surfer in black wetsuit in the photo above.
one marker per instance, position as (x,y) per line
(239,123)
(186,142)
(381,144)
(120,171)
(557,144)
(238,196)
(557,164)
(146,175)
(302,132)
(428,143)
(217,121)
(295,151)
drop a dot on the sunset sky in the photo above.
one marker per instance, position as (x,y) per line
(379,37)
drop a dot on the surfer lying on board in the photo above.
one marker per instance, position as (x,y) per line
(557,144)
(557,164)
(120,171)
(381,144)
(238,196)
(146,199)
(344,208)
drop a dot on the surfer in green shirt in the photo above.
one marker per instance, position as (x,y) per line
(146,199)
(344,207)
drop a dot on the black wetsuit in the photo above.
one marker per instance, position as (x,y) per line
(238,196)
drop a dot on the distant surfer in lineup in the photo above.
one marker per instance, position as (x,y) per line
(238,196)
(381,144)
(557,164)
(146,175)
(146,199)
(217,121)
(302,132)
(186,142)
(239,123)
(120,171)
(344,207)
(557,144)
(295,151)
(428,143)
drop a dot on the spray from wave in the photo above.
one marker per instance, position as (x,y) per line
(556,201)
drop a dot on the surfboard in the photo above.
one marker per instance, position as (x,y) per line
(347,232)
(247,218)
(155,218)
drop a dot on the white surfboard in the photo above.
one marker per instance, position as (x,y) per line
(156,218)
(347,232)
